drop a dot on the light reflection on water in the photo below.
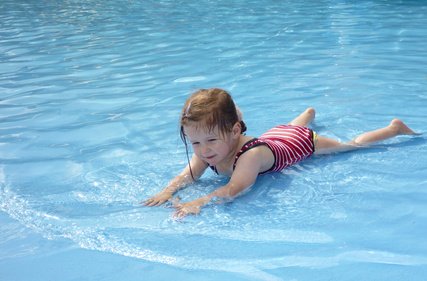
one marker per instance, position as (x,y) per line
(90,98)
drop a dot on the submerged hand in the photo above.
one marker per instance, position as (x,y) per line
(158,199)
(189,208)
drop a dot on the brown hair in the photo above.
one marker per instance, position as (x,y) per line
(210,108)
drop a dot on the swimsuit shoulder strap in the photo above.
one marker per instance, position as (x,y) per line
(213,168)
(248,146)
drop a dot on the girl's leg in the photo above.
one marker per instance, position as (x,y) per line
(305,118)
(395,128)
(325,145)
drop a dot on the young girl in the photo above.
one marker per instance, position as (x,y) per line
(213,125)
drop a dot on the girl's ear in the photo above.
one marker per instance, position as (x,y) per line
(237,130)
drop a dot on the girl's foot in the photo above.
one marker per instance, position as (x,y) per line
(401,128)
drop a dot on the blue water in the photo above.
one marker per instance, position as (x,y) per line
(90,95)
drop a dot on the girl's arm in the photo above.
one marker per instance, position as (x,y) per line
(182,180)
(244,176)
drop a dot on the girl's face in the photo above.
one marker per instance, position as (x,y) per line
(210,146)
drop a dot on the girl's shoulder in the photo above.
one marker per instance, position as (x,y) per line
(248,143)
(254,149)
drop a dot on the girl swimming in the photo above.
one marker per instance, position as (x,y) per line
(212,123)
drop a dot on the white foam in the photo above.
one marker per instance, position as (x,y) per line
(2,176)
(94,237)
(189,79)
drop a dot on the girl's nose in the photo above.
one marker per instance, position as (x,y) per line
(204,149)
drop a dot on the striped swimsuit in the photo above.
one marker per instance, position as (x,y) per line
(289,144)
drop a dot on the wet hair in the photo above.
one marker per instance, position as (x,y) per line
(209,109)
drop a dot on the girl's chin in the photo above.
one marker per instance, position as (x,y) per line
(211,161)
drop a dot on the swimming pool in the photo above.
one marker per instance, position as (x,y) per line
(90,97)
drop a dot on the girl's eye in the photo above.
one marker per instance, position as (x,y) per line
(195,143)
(212,140)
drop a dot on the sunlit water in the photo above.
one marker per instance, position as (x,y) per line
(90,95)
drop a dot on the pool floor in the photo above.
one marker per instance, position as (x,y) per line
(90,95)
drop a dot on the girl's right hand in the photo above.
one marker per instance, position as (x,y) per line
(158,199)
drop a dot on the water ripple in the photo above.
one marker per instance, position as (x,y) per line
(89,105)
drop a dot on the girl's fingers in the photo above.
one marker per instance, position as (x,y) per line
(147,202)
(160,202)
(176,202)
(179,214)
(152,202)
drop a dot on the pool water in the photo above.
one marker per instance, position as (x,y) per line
(90,95)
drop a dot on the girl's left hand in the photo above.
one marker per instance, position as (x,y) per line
(189,208)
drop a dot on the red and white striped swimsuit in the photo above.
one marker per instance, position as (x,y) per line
(289,144)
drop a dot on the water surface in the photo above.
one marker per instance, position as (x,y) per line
(90,95)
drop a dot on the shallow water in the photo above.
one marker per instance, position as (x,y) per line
(89,103)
